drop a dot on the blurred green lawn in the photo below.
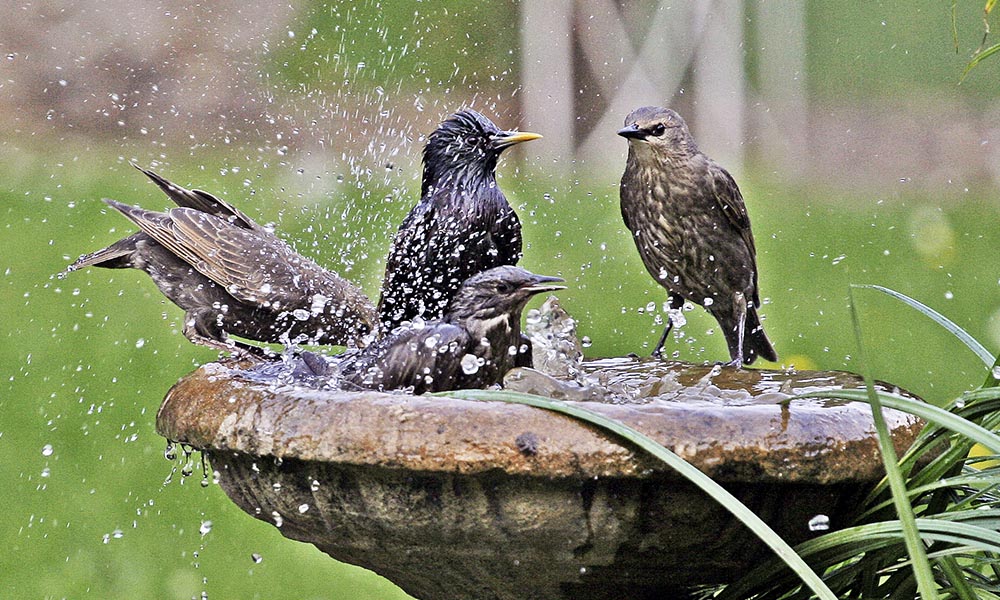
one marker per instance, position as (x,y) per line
(88,359)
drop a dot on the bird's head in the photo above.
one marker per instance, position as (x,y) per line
(499,293)
(656,129)
(467,144)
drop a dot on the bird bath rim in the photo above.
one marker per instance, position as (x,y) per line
(725,433)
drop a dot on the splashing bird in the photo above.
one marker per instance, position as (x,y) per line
(691,227)
(232,276)
(461,226)
(472,345)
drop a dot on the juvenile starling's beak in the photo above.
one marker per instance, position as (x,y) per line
(506,139)
(632,132)
(543,283)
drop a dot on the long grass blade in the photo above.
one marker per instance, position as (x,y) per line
(985,355)
(911,535)
(717,492)
(979,58)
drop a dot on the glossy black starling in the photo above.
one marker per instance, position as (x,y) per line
(472,346)
(462,225)
(691,227)
(234,277)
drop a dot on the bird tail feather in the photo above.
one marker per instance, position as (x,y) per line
(755,342)
(115,256)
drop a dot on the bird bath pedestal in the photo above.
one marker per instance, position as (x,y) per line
(454,499)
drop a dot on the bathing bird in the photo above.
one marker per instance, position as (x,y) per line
(233,277)
(462,225)
(473,344)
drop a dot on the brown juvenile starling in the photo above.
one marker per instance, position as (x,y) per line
(692,230)
(461,226)
(234,277)
(472,346)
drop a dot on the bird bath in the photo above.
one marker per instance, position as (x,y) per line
(454,499)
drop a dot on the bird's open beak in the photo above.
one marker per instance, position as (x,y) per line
(544,283)
(505,139)
(632,132)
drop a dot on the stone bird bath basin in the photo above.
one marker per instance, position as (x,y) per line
(454,499)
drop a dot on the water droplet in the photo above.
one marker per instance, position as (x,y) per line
(206,526)
(278,519)
(303,508)
(46,472)
(839,259)
(470,364)
(996,372)
(256,558)
(819,523)
(586,342)
(170,452)
(314,486)
(708,302)
(47,450)
(948,295)
(139,343)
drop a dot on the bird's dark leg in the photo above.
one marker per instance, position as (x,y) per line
(739,301)
(676,302)
(658,351)
(200,328)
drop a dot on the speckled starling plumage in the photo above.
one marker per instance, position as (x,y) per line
(472,346)
(232,276)
(691,228)
(462,225)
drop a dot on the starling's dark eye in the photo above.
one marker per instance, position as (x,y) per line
(472,140)
(504,288)
(658,129)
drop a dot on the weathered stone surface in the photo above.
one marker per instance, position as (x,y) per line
(464,499)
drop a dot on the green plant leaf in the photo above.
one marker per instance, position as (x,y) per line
(717,492)
(985,355)
(911,535)
(979,58)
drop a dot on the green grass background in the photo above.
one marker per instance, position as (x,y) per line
(87,360)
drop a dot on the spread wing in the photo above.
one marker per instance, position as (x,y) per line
(251,265)
(201,201)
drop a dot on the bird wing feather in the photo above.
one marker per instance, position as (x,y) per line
(201,201)
(727,193)
(253,266)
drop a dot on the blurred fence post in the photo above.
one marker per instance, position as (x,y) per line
(642,53)
(720,86)
(547,75)
(782,82)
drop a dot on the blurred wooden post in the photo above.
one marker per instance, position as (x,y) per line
(782,81)
(720,86)
(547,76)
(703,38)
